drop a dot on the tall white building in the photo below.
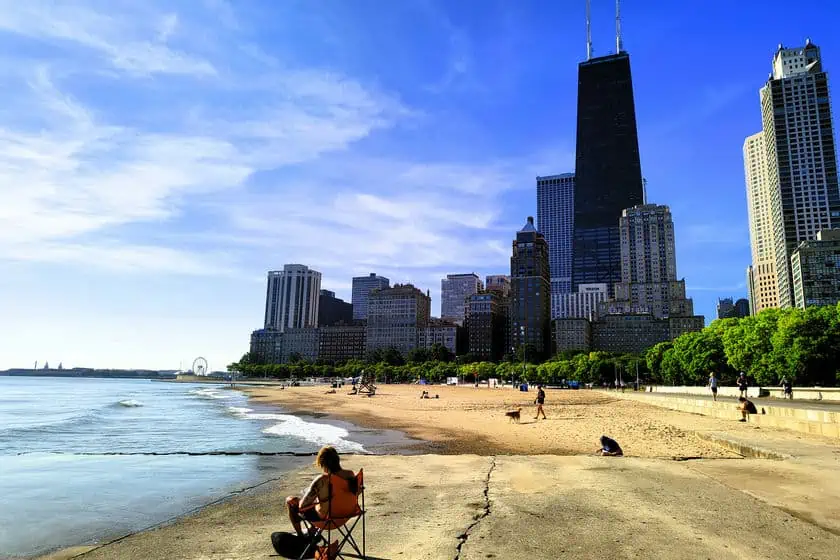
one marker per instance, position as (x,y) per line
(455,289)
(291,300)
(801,155)
(762,282)
(362,287)
(556,221)
(582,304)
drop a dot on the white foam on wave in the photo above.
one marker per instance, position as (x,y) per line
(209,394)
(319,434)
(240,410)
(287,425)
(131,403)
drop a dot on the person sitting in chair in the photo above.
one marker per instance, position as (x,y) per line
(318,493)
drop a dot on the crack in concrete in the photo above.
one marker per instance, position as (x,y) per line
(463,537)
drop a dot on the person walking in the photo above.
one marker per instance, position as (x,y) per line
(742,384)
(788,387)
(540,401)
(713,385)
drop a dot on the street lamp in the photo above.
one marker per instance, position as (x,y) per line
(524,350)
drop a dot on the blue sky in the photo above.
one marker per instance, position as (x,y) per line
(157,158)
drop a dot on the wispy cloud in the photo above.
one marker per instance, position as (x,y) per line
(268,156)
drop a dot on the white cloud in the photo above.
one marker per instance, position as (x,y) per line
(128,40)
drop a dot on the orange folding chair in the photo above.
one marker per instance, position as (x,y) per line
(345,510)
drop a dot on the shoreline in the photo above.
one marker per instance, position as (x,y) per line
(489,489)
(391,442)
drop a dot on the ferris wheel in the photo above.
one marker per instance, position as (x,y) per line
(200,366)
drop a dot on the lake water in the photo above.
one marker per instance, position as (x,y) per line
(87,460)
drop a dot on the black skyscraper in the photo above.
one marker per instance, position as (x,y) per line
(608,176)
(530,293)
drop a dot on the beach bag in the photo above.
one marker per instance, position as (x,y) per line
(327,552)
(290,545)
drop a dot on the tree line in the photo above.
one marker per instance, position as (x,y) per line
(802,345)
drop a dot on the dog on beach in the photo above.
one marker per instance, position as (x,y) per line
(514,414)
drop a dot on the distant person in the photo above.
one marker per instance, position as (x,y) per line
(746,407)
(610,448)
(540,401)
(742,384)
(713,385)
(318,493)
(788,388)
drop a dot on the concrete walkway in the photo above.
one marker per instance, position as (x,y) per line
(525,507)
(767,401)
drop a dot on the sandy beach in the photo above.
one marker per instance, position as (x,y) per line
(483,487)
(472,420)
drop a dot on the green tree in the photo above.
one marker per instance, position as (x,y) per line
(392,357)
(749,347)
(807,343)
(419,356)
(440,353)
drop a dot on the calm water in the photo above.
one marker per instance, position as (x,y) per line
(76,463)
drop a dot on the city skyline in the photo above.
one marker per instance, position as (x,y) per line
(413,170)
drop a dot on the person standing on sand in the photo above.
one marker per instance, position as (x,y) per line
(713,385)
(540,401)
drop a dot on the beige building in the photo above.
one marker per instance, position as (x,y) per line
(648,266)
(438,331)
(762,282)
(396,317)
(801,155)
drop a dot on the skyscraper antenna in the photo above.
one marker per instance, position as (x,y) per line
(644,191)
(618,46)
(588,31)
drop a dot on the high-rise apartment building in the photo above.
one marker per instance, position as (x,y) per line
(291,300)
(608,176)
(341,342)
(762,282)
(801,156)
(333,310)
(395,316)
(555,220)
(499,283)
(648,266)
(362,287)
(455,290)
(487,325)
(815,267)
(530,297)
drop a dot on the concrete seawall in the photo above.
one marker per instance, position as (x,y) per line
(799,419)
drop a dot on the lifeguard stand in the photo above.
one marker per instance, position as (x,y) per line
(367,385)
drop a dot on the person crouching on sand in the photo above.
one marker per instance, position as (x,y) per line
(746,407)
(610,448)
(318,492)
